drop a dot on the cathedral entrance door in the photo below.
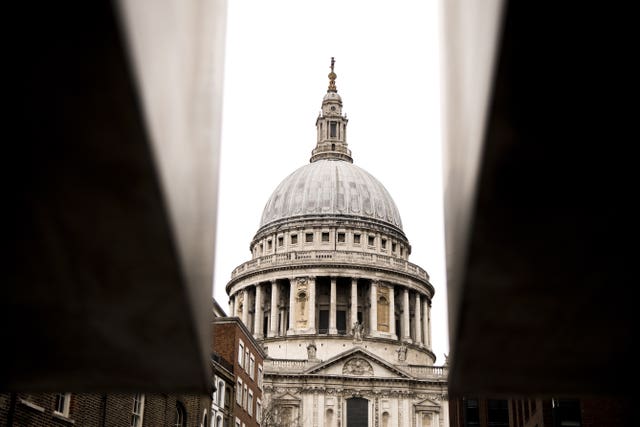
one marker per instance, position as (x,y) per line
(357,412)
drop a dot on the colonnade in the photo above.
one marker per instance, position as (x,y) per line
(301,311)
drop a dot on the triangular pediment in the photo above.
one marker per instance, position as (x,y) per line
(357,363)
(287,397)
(427,405)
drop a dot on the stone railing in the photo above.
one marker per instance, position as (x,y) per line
(285,365)
(321,257)
(426,372)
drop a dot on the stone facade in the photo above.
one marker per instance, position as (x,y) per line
(342,314)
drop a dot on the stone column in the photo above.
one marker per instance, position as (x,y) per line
(232,306)
(406,332)
(425,323)
(373,311)
(312,304)
(428,315)
(292,306)
(332,307)
(392,313)
(257,321)
(245,308)
(354,302)
(273,328)
(418,321)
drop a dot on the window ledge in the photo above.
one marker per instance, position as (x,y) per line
(62,418)
(31,405)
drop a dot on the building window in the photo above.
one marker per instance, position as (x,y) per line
(401,250)
(372,240)
(244,397)
(239,392)
(62,403)
(471,412)
(250,403)
(138,410)
(294,239)
(308,237)
(252,367)
(269,244)
(280,241)
(220,393)
(241,354)
(356,239)
(383,243)
(333,131)
(246,359)
(181,416)
(260,376)
(341,237)
(393,247)
(261,248)
(325,236)
(237,422)
(258,410)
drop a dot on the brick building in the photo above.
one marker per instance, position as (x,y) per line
(100,410)
(585,412)
(233,342)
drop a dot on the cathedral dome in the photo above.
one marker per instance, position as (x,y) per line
(331,187)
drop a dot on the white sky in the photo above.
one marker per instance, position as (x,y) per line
(388,67)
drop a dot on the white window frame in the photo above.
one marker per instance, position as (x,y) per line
(246,359)
(221,392)
(239,392)
(258,411)
(244,398)
(250,403)
(65,398)
(260,375)
(241,354)
(252,367)
(137,411)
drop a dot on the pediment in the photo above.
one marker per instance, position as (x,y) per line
(287,397)
(357,363)
(427,405)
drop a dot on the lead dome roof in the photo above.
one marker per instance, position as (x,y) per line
(331,187)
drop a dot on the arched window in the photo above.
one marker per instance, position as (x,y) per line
(181,416)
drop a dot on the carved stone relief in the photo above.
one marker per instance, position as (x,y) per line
(357,366)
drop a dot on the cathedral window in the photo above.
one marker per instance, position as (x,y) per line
(341,237)
(308,237)
(393,247)
(356,239)
(269,244)
(372,240)
(280,241)
(294,239)
(383,243)
(325,236)
(333,126)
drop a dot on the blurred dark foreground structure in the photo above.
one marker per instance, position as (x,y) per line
(112,159)
(538,193)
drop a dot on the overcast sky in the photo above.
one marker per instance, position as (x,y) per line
(388,65)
